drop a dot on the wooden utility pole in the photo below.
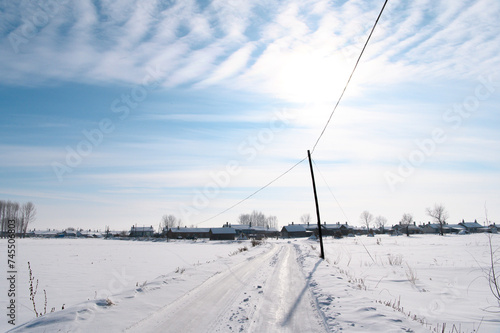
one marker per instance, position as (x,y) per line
(320,233)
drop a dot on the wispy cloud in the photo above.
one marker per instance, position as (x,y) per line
(225,67)
(82,42)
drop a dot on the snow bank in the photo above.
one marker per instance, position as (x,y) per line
(377,284)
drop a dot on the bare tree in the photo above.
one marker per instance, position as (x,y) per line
(256,219)
(28,213)
(244,219)
(406,220)
(272,221)
(16,216)
(11,211)
(170,221)
(367,218)
(3,221)
(305,219)
(380,222)
(439,214)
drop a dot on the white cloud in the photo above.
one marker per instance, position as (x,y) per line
(299,53)
(232,66)
(232,17)
(447,38)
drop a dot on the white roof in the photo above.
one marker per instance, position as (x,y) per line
(225,231)
(294,228)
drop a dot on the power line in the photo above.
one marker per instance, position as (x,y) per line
(254,193)
(333,195)
(319,138)
(349,80)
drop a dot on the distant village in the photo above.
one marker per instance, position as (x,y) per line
(248,231)
(255,225)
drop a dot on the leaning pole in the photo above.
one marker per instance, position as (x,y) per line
(320,233)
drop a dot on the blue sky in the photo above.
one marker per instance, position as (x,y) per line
(115,113)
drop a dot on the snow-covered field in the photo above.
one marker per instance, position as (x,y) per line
(378,284)
(425,279)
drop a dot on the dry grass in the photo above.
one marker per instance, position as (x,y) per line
(411,274)
(395,260)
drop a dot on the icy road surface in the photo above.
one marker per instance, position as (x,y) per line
(267,293)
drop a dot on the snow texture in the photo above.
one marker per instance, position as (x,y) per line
(378,284)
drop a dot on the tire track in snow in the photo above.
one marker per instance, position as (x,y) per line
(267,293)
(203,308)
(287,304)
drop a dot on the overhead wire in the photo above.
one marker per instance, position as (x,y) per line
(321,134)
(254,193)
(350,77)
(333,195)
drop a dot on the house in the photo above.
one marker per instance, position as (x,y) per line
(69,232)
(409,229)
(471,227)
(44,233)
(435,228)
(336,229)
(326,229)
(263,232)
(386,230)
(247,231)
(360,230)
(311,228)
(225,233)
(243,231)
(294,231)
(115,233)
(188,233)
(456,228)
(142,231)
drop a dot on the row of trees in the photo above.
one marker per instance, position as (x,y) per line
(258,219)
(169,221)
(438,213)
(22,214)
(255,218)
(367,219)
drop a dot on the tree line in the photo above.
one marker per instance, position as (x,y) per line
(255,218)
(21,214)
(258,219)
(438,213)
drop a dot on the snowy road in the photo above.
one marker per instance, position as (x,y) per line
(279,286)
(266,293)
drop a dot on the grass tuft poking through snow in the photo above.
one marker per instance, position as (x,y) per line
(494,273)
(411,274)
(33,291)
(180,270)
(395,260)
(241,249)
(255,242)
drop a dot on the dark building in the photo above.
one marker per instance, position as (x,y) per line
(294,231)
(226,233)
